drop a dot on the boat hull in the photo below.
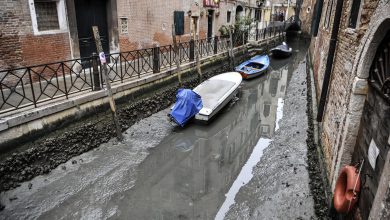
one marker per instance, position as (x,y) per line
(202,117)
(277,53)
(253,75)
(226,86)
(254,67)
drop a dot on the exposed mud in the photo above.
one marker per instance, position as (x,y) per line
(280,187)
(315,174)
(42,156)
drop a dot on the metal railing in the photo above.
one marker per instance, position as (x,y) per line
(33,85)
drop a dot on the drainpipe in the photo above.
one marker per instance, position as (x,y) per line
(316,18)
(329,61)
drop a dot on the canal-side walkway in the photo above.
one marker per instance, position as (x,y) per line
(280,188)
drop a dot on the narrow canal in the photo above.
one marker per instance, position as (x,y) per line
(166,172)
(191,170)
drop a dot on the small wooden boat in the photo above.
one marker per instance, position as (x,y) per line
(216,92)
(256,66)
(281,51)
(205,100)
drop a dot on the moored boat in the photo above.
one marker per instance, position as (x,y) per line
(214,93)
(281,51)
(256,66)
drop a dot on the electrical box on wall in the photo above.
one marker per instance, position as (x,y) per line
(179,22)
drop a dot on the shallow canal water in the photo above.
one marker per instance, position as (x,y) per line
(195,172)
(161,172)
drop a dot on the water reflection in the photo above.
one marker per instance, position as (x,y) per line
(188,174)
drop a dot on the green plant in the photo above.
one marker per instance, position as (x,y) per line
(224,30)
(243,22)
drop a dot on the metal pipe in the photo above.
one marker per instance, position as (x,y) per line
(329,61)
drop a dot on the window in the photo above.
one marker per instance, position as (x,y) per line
(257,14)
(228,16)
(124,26)
(328,14)
(48,16)
(353,17)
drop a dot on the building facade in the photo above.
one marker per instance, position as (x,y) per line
(42,31)
(351,64)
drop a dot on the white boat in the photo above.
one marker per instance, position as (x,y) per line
(216,92)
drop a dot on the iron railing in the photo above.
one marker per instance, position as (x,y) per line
(33,85)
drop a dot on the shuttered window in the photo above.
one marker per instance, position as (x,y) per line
(328,14)
(353,17)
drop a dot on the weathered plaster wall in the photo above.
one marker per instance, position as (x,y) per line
(150,22)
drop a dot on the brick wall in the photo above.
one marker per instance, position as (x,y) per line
(154,26)
(341,81)
(19,46)
(45,48)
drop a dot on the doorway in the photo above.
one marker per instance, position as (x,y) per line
(372,143)
(91,13)
(210,24)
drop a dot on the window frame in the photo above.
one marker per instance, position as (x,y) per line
(62,20)
(357,22)
(127,25)
(328,14)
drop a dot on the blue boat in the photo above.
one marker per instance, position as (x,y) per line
(256,66)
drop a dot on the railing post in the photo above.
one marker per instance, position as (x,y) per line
(64,78)
(215,45)
(156,59)
(32,87)
(192,50)
(95,72)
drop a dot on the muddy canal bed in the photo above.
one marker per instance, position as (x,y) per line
(44,154)
(159,171)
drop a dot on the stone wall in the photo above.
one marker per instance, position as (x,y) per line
(375,126)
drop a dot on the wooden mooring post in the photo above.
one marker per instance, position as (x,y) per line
(177,55)
(231,51)
(197,44)
(102,57)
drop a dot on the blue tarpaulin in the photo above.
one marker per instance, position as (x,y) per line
(188,104)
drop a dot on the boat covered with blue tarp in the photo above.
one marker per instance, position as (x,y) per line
(205,100)
(188,104)
(256,66)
